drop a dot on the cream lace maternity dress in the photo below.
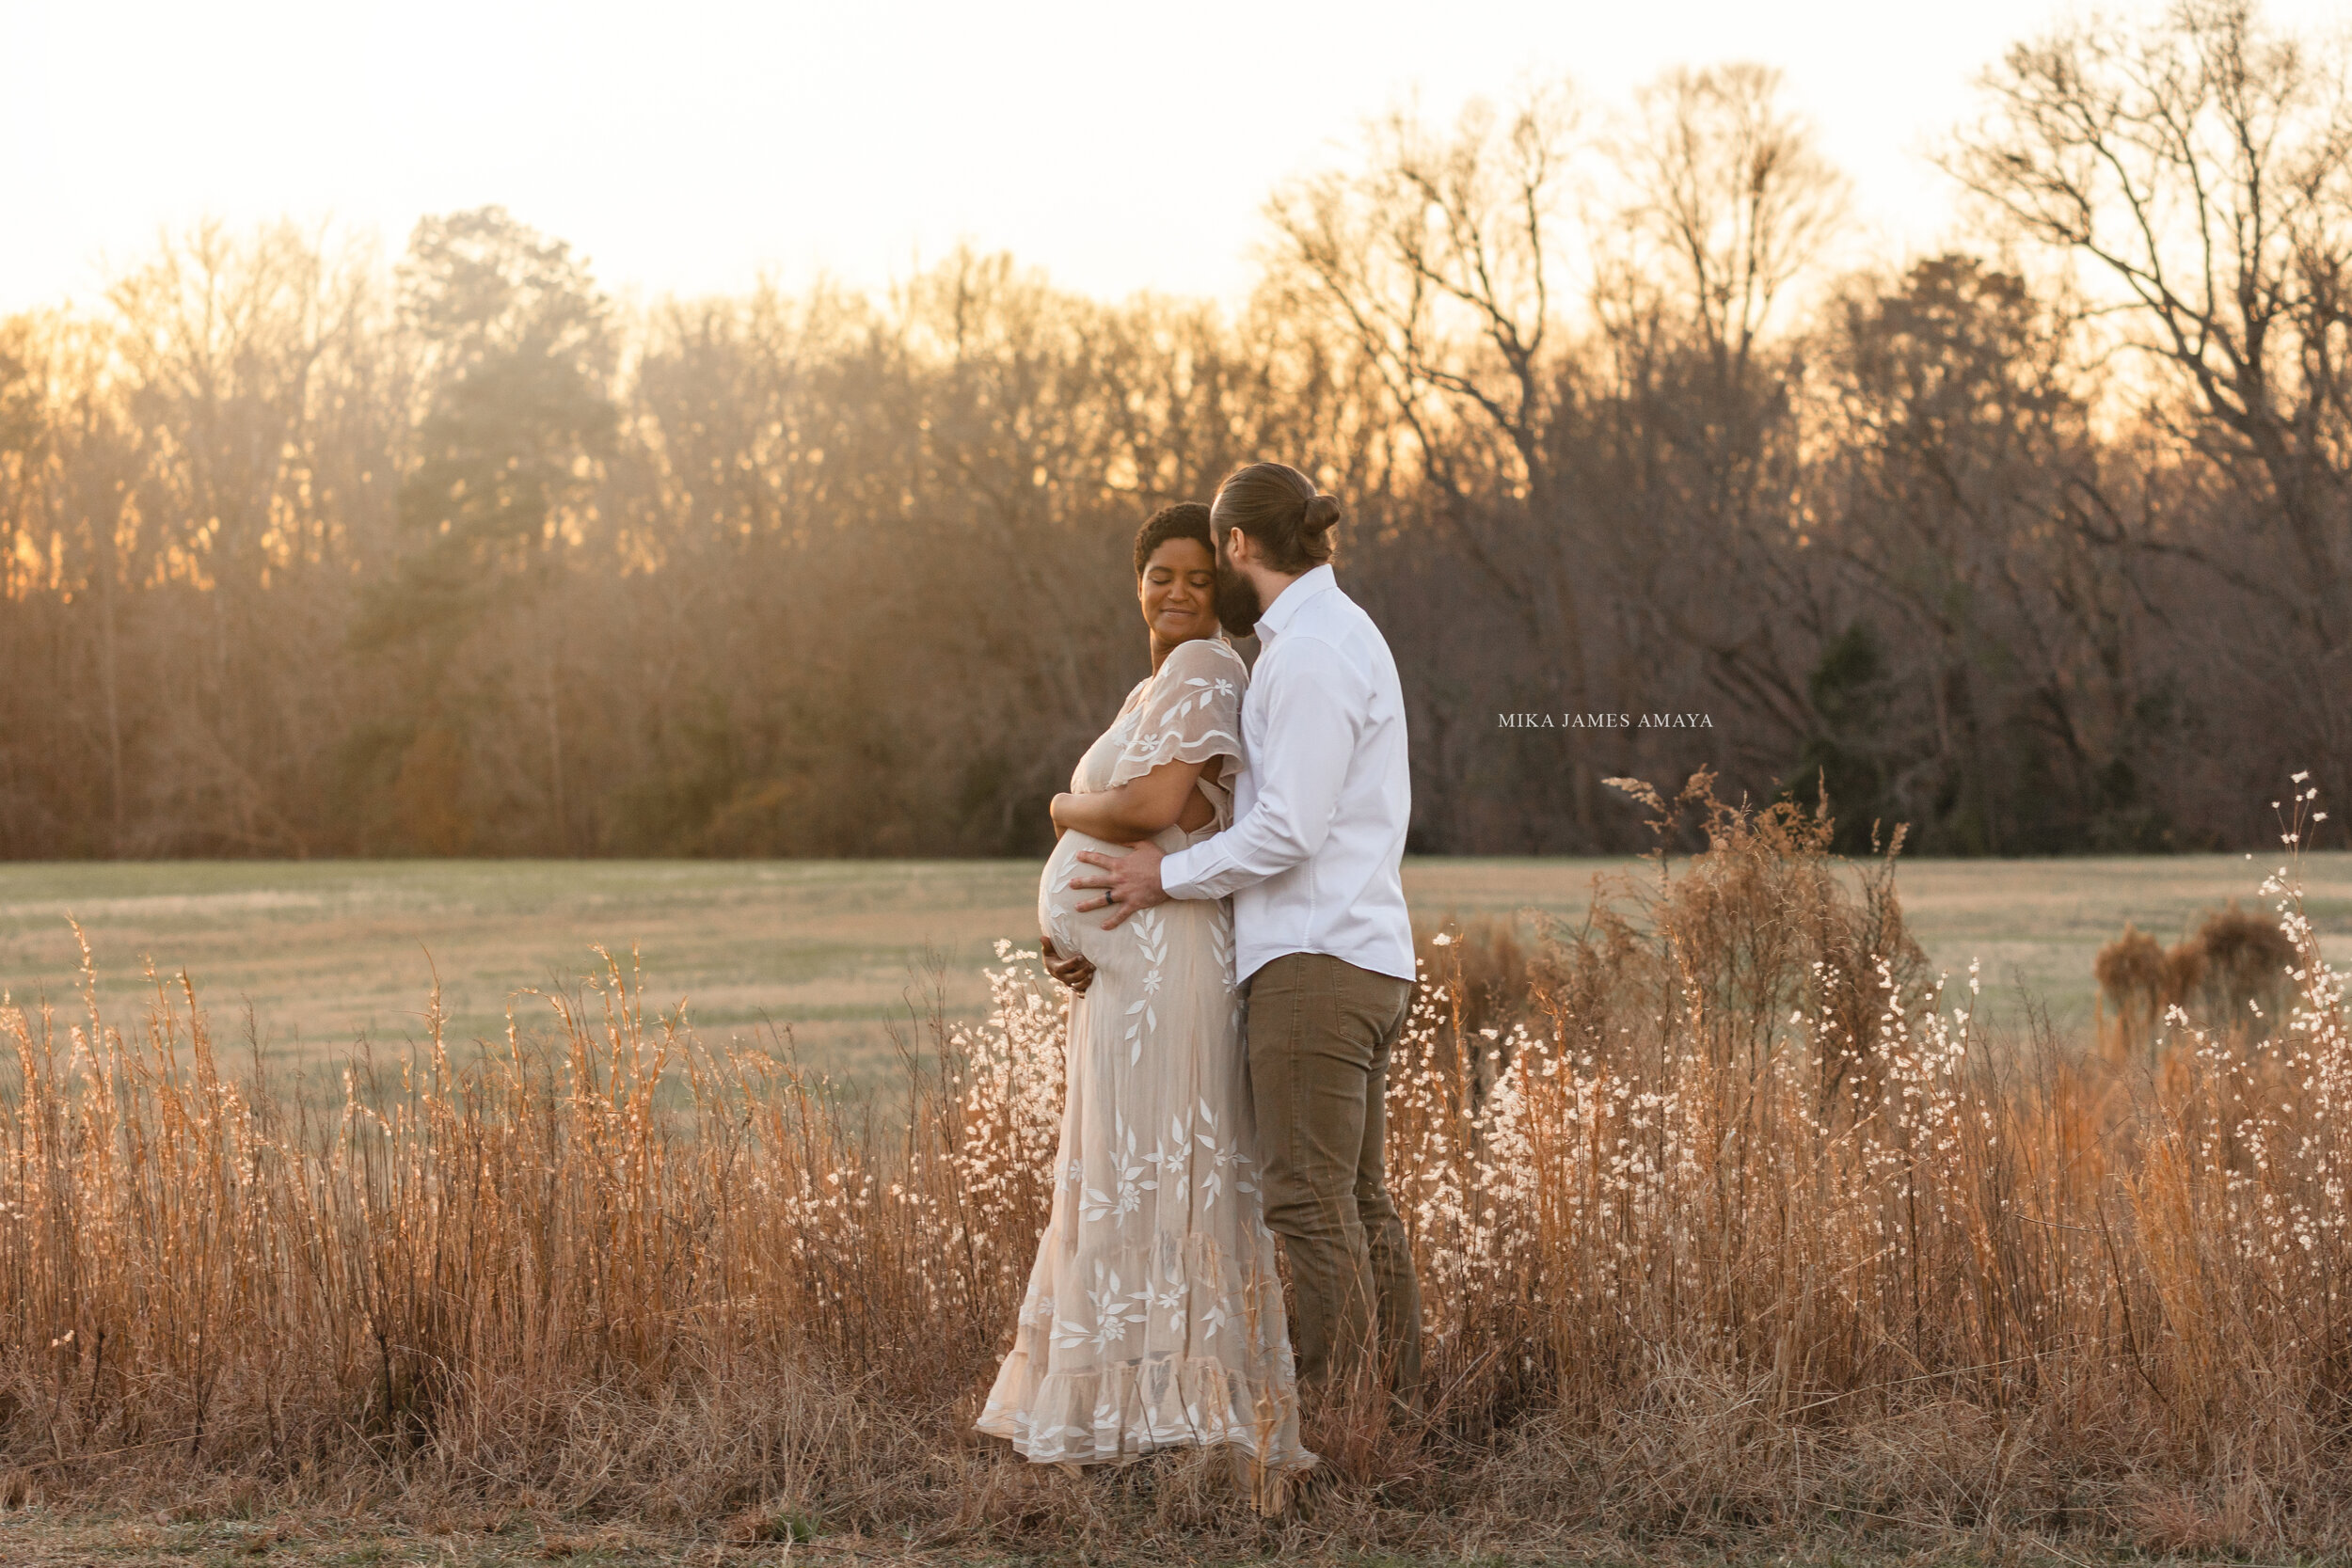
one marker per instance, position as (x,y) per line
(1154,1318)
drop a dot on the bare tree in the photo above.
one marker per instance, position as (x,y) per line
(230,353)
(2199,172)
(1726,201)
(1441,256)
(1730,201)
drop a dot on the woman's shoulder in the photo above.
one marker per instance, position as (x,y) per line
(1204,658)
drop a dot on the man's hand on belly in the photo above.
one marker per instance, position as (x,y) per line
(1129,883)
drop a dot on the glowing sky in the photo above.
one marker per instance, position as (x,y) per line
(687,145)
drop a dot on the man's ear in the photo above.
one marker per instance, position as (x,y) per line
(1236,542)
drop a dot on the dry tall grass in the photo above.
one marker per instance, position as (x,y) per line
(1756,1226)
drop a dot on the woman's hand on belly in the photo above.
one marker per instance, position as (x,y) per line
(1058,901)
(1070,969)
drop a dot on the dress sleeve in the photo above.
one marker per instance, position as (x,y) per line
(1192,712)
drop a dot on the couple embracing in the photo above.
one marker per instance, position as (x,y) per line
(1225,898)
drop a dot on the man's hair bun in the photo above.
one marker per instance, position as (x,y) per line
(1281,511)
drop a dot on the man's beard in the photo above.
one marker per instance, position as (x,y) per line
(1237,603)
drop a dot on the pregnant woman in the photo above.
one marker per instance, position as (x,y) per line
(1154,1319)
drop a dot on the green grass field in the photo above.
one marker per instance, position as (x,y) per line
(327,952)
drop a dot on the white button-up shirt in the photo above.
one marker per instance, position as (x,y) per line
(1313,858)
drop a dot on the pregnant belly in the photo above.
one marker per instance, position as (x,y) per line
(1057,902)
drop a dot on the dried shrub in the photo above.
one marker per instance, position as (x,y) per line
(2233,973)
(2131,975)
(2246,959)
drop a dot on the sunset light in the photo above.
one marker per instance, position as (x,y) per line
(942,785)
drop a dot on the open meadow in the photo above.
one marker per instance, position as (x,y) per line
(329,952)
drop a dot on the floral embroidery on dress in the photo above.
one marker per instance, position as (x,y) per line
(1165,1293)
(1151,929)
(1173,1165)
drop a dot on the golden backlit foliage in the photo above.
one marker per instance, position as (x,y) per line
(2033,548)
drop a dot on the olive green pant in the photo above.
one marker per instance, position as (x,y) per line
(1319,1034)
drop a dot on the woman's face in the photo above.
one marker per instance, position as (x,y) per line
(1179,591)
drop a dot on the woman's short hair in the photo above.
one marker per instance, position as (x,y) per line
(1180,520)
(1280,510)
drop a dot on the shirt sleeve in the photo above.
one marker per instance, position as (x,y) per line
(1316,705)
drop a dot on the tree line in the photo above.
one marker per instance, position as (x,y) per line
(2040,547)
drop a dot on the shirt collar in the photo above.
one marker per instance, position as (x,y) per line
(1286,605)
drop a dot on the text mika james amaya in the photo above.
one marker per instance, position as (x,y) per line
(1604,722)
